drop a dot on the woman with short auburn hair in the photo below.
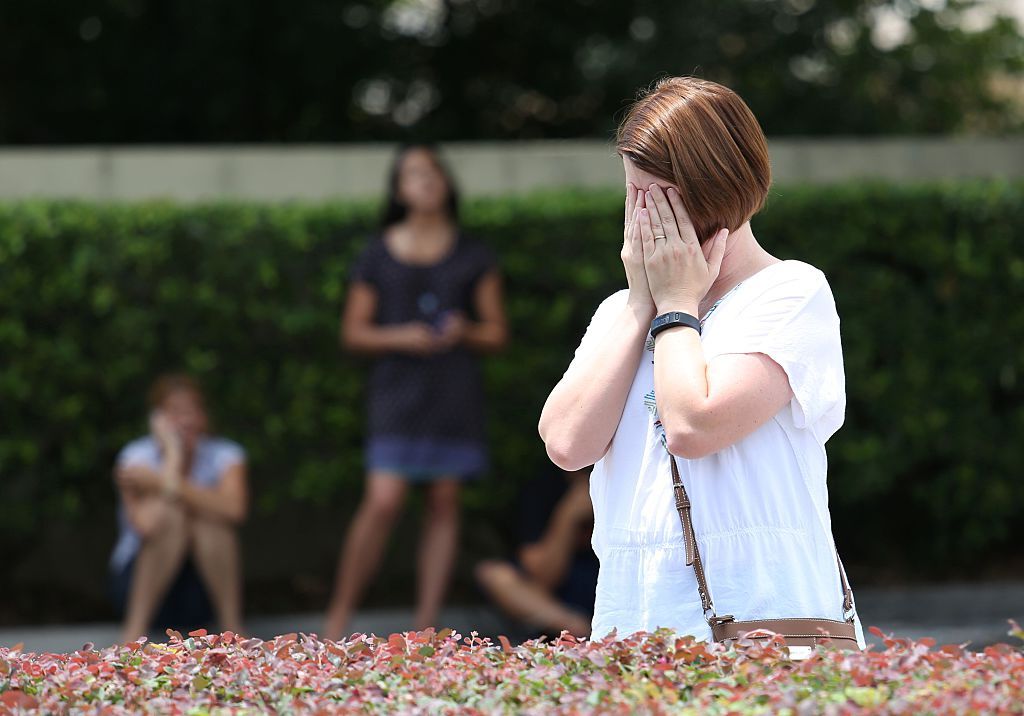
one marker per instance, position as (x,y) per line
(721,355)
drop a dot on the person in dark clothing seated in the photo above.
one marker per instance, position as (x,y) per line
(550,585)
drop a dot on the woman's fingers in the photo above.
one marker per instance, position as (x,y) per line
(647,233)
(657,225)
(665,222)
(686,231)
(717,253)
(630,202)
(707,247)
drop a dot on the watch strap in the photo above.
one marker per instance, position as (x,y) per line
(673,319)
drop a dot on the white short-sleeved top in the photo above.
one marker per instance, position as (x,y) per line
(212,457)
(760,506)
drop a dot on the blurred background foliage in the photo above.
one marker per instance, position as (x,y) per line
(96,299)
(130,71)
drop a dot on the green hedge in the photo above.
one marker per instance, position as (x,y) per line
(97,299)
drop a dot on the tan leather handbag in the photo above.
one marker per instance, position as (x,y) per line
(796,631)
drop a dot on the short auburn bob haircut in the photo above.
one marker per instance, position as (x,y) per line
(702,138)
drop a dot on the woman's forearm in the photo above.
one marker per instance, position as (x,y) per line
(681,388)
(212,502)
(375,339)
(486,336)
(582,413)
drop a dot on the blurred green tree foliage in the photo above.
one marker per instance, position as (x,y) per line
(111,71)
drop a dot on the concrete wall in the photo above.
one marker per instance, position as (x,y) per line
(312,172)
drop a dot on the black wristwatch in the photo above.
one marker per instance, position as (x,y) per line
(673,319)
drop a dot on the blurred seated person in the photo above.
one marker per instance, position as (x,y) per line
(183,493)
(551,583)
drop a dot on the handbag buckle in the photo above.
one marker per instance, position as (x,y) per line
(714,621)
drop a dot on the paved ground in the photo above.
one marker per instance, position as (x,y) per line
(951,614)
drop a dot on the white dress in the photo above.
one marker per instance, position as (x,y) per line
(760,506)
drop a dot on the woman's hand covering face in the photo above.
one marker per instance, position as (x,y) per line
(679,271)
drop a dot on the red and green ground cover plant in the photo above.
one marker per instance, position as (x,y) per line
(432,672)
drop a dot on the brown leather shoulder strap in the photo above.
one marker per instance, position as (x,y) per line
(693,553)
(690,540)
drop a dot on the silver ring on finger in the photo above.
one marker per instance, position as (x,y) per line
(660,236)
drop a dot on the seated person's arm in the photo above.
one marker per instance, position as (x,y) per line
(143,490)
(139,488)
(228,500)
(142,487)
(547,560)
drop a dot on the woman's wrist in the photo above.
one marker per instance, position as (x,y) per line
(682,304)
(643,310)
(171,490)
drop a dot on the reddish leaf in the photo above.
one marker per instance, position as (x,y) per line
(18,699)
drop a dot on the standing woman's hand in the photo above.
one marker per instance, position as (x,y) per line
(417,338)
(633,254)
(679,271)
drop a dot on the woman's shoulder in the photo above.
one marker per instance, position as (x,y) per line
(790,279)
(617,299)
(471,258)
(472,247)
(143,449)
(796,271)
(367,259)
(225,448)
(611,305)
(373,244)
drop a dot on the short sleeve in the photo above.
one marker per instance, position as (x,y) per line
(141,452)
(228,454)
(795,323)
(366,265)
(482,261)
(600,323)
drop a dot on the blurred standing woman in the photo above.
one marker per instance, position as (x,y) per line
(721,355)
(425,301)
(183,494)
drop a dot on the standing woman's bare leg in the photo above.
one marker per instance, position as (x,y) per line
(437,549)
(364,545)
(219,562)
(160,558)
